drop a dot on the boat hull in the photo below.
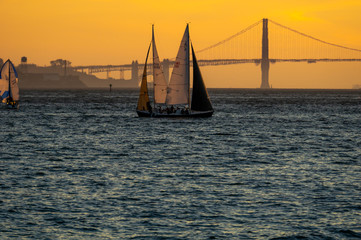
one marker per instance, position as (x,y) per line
(143,114)
(12,106)
(204,114)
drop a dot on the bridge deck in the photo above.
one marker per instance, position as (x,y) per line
(213,62)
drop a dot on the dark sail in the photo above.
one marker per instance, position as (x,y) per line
(200,98)
(143,100)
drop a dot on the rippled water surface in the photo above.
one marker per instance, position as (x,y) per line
(278,164)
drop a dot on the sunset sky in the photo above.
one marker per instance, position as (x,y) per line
(91,32)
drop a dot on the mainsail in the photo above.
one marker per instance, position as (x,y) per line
(178,89)
(200,98)
(9,81)
(143,101)
(160,85)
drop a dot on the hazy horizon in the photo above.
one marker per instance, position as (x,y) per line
(111,32)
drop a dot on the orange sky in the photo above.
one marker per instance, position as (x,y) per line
(89,32)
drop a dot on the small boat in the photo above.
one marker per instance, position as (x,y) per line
(9,87)
(173,100)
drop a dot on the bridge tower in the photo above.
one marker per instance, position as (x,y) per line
(265,56)
(166,64)
(135,74)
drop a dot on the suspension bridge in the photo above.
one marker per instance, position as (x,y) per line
(262,43)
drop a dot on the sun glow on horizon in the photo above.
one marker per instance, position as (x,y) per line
(91,32)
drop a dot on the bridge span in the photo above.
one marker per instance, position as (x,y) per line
(303,45)
(136,67)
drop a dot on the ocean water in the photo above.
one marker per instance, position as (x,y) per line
(276,164)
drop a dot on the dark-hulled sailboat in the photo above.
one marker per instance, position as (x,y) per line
(174,100)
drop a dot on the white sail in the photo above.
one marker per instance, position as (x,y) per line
(4,89)
(160,85)
(9,74)
(14,83)
(178,89)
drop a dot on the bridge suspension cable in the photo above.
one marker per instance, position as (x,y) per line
(231,37)
(316,39)
(284,43)
(245,45)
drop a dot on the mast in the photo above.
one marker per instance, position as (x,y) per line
(188,68)
(153,41)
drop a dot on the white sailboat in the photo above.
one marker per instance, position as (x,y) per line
(178,102)
(9,88)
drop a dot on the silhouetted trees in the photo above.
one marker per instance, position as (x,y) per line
(60,63)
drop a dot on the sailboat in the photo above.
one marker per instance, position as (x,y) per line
(9,88)
(173,100)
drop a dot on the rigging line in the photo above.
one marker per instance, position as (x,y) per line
(231,37)
(316,39)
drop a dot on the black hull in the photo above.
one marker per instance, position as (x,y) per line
(12,106)
(143,114)
(175,115)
